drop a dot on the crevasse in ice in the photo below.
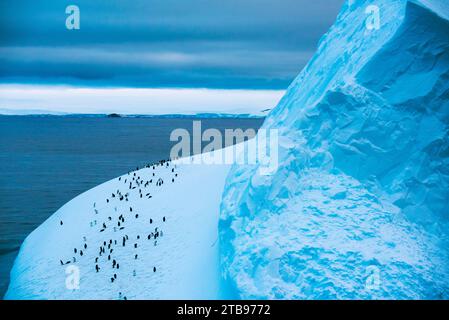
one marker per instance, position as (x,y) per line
(359,205)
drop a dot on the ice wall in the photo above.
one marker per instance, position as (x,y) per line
(358,207)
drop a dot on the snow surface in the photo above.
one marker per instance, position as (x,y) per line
(363,181)
(185,257)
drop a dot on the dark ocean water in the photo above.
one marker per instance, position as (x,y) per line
(46,161)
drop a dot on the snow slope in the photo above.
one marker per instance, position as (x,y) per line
(185,257)
(359,206)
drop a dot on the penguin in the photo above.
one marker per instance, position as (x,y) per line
(163,219)
(61,223)
(97,268)
(137,216)
(135,245)
(154,269)
(74,250)
(81,252)
(85,246)
(62,263)
(135,257)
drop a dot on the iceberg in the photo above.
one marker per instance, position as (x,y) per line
(359,205)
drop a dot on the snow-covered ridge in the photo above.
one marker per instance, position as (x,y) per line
(363,182)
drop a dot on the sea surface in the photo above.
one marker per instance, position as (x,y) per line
(45,161)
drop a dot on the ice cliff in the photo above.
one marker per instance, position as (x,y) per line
(359,205)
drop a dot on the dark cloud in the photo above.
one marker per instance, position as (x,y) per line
(162,43)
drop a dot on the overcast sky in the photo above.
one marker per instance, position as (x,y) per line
(213,44)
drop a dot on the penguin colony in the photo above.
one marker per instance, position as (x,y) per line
(115,238)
